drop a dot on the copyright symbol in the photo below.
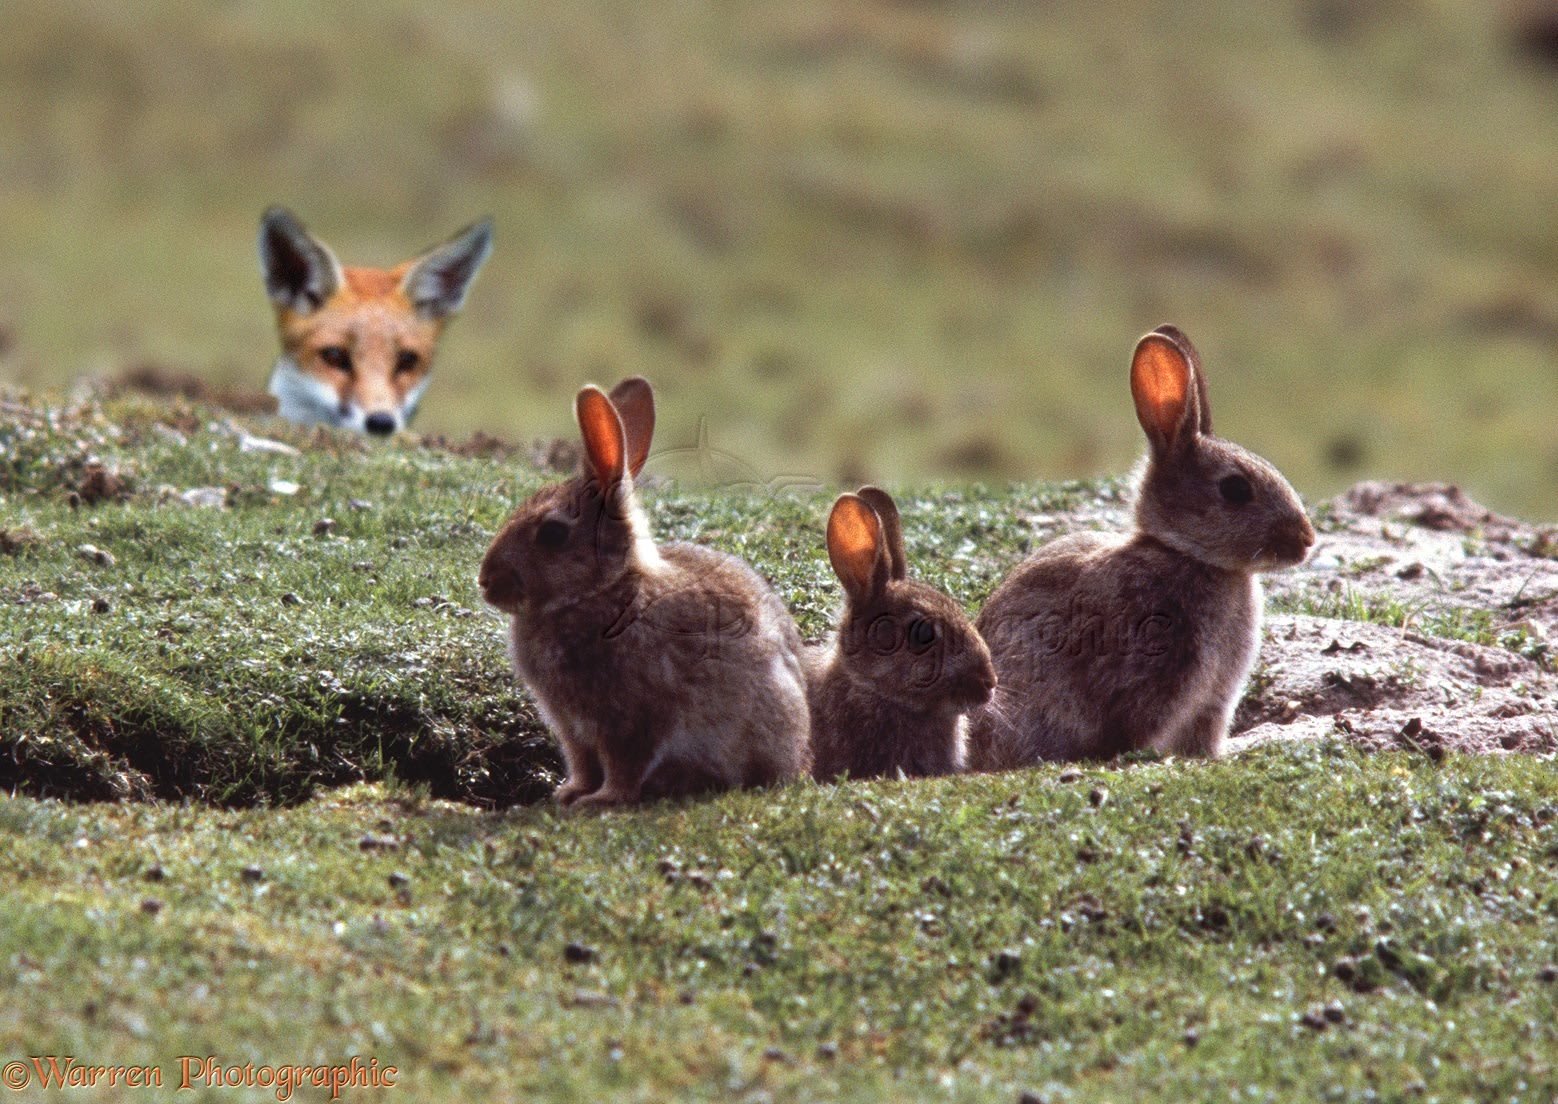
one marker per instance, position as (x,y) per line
(15,1076)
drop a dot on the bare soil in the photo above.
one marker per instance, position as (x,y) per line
(1435,565)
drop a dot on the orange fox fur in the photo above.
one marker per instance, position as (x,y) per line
(357,343)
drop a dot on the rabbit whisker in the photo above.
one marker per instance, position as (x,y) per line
(996,707)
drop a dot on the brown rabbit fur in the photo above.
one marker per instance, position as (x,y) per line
(889,694)
(1107,645)
(664,671)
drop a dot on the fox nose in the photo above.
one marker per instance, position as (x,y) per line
(379,424)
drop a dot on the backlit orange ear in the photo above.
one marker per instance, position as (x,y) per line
(635,403)
(605,445)
(855,547)
(1203,406)
(892,528)
(1162,383)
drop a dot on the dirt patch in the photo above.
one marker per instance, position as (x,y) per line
(1384,688)
(1414,558)
(158,381)
(553,455)
(1431,551)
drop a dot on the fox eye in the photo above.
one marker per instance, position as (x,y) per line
(337,356)
(1235,489)
(552,533)
(922,633)
(406,361)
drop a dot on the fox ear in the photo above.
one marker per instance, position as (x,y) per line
(635,403)
(1163,385)
(300,271)
(856,548)
(892,528)
(605,444)
(437,281)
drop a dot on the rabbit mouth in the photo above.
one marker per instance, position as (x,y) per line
(1278,557)
(1287,548)
(975,690)
(505,594)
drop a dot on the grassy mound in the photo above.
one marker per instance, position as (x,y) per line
(1302,923)
(188,611)
(241,624)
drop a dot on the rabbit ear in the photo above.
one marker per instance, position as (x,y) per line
(855,548)
(605,444)
(1163,386)
(635,403)
(892,528)
(1203,404)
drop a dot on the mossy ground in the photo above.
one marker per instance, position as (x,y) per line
(322,624)
(1298,924)
(1292,923)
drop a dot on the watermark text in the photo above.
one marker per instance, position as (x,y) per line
(189,1072)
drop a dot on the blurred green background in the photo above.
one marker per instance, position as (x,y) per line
(865,239)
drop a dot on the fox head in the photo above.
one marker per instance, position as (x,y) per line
(357,343)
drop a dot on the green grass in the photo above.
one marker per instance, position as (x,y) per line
(1160,931)
(324,625)
(1449,622)
(908,241)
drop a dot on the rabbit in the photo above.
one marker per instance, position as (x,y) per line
(665,671)
(1105,645)
(889,693)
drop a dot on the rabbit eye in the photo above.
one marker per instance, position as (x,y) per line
(1235,489)
(552,533)
(922,634)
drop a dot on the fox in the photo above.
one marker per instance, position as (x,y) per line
(357,343)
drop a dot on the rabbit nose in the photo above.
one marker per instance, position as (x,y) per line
(499,587)
(981,683)
(1294,541)
(1302,535)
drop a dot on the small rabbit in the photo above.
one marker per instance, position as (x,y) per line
(664,670)
(1105,645)
(888,694)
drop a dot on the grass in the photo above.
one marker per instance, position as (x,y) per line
(301,678)
(1449,622)
(1303,923)
(890,241)
(323,626)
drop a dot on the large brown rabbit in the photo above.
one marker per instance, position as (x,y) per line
(1106,644)
(663,671)
(889,693)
